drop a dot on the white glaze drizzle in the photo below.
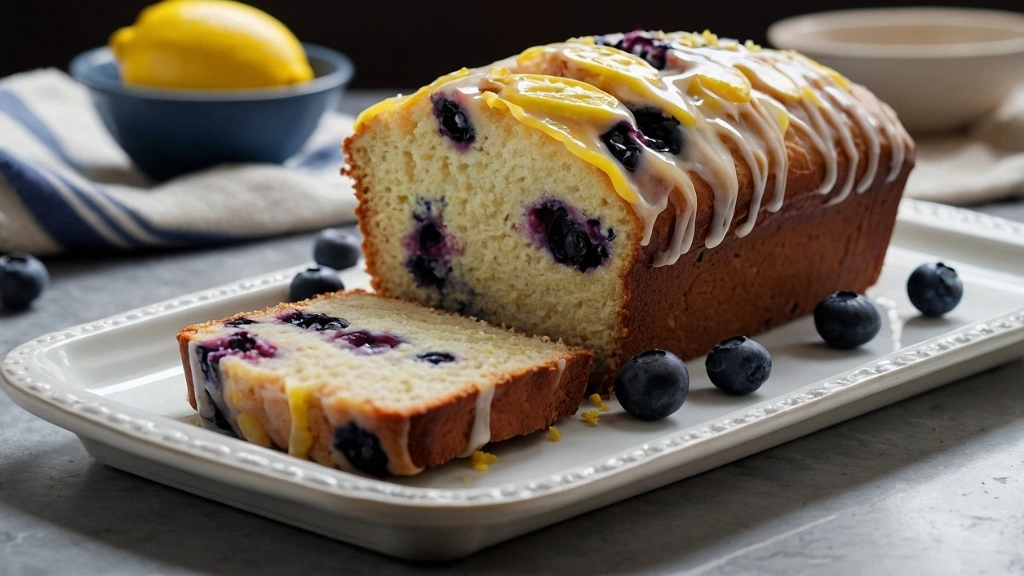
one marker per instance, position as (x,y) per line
(203,402)
(559,370)
(724,94)
(480,433)
(207,401)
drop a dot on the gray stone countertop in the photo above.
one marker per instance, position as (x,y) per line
(930,485)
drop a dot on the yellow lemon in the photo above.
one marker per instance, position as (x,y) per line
(208,44)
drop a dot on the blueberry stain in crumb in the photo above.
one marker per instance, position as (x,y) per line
(430,247)
(362,449)
(453,121)
(571,240)
(240,321)
(313,320)
(436,357)
(367,342)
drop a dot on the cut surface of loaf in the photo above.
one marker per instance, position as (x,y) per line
(630,191)
(362,382)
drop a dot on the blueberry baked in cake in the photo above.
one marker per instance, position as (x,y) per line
(630,191)
(375,385)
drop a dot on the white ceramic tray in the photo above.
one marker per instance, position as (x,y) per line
(117,383)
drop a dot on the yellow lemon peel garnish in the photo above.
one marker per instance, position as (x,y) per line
(405,100)
(614,64)
(561,132)
(482,460)
(557,96)
(725,82)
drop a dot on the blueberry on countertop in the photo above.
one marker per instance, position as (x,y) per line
(934,289)
(312,281)
(738,365)
(336,248)
(846,320)
(652,384)
(22,279)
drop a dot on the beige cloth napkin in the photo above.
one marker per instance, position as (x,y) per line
(981,164)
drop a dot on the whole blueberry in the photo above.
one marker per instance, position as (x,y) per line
(572,240)
(22,279)
(622,142)
(312,281)
(662,132)
(453,121)
(336,248)
(934,289)
(738,365)
(846,320)
(362,449)
(652,384)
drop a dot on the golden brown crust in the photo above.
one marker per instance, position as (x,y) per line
(523,402)
(791,260)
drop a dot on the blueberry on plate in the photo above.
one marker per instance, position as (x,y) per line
(738,365)
(652,384)
(934,289)
(846,320)
(336,248)
(22,279)
(312,281)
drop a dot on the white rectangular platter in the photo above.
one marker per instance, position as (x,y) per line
(118,384)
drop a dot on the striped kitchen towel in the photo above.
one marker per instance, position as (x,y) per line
(66,186)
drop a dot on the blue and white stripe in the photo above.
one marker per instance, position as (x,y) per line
(79,213)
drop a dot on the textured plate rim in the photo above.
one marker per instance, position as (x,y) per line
(18,376)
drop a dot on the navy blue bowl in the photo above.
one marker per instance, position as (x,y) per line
(170,132)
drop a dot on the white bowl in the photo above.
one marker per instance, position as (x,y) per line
(939,68)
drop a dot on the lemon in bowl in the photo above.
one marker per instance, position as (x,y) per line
(209,44)
(196,83)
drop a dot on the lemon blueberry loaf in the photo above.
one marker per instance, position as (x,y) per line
(630,191)
(367,383)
